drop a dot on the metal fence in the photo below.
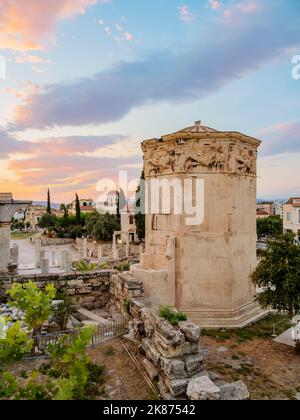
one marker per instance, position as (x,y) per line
(104,332)
(110,330)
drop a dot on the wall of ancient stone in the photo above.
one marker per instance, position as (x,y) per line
(56,241)
(89,290)
(171,356)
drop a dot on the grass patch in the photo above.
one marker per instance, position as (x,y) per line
(172,315)
(261,329)
(21,235)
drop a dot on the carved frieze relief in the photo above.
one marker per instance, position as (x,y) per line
(214,157)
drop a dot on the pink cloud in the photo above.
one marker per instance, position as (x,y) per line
(185,14)
(214,4)
(235,12)
(281,138)
(33,59)
(128,36)
(27,25)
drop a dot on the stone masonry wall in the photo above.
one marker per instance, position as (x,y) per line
(56,241)
(172,356)
(90,290)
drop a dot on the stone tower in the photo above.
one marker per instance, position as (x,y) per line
(203,270)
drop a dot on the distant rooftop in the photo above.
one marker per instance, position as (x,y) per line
(7,198)
(294,201)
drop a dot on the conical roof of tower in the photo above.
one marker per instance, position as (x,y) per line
(197,128)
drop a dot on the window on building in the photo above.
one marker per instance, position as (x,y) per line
(288,216)
(131,220)
(298,216)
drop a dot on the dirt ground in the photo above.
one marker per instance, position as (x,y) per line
(270,370)
(121,377)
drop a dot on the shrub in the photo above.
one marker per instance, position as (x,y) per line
(172,315)
(8,385)
(35,303)
(96,371)
(297,347)
(122,267)
(34,390)
(15,345)
(74,365)
(62,312)
(85,266)
(104,266)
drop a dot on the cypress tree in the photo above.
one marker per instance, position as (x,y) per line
(48,202)
(78,210)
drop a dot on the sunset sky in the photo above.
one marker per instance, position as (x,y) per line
(88,80)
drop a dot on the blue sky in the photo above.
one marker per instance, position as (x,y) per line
(88,80)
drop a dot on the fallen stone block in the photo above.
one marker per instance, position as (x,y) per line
(173,368)
(194,364)
(177,387)
(190,330)
(236,391)
(203,389)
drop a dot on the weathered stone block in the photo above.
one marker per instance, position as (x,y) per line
(173,368)
(236,391)
(166,349)
(202,388)
(84,290)
(151,351)
(194,364)
(163,390)
(190,348)
(177,387)
(150,369)
(190,330)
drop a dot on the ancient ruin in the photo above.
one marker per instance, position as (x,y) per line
(8,207)
(204,269)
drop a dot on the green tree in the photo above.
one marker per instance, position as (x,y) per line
(140,217)
(78,210)
(102,226)
(48,221)
(278,275)
(48,202)
(271,226)
(35,303)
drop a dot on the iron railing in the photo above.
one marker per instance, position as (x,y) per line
(104,332)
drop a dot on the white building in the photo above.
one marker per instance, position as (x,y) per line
(291,216)
(109,205)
